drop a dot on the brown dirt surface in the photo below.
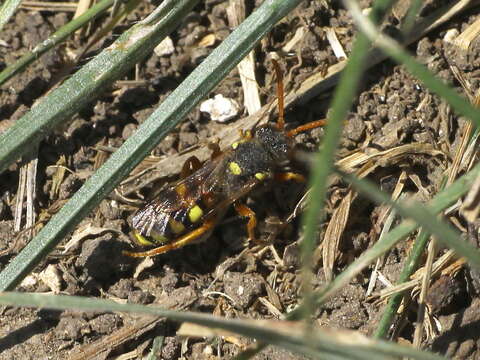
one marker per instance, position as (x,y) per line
(226,275)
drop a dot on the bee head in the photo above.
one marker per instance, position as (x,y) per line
(275,141)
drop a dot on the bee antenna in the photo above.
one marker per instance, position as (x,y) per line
(280,95)
(306,127)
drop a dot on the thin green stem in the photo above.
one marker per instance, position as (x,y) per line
(323,162)
(410,267)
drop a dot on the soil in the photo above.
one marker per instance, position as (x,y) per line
(227,275)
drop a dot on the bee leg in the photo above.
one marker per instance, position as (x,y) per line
(289,176)
(245,211)
(280,95)
(191,165)
(180,242)
(215,147)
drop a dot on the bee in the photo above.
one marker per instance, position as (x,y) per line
(188,210)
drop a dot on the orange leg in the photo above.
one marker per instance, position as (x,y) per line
(289,176)
(280,95)
(245,211)
(306,127)
(180,242)
(190,166)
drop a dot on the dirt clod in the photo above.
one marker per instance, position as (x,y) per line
(242,288)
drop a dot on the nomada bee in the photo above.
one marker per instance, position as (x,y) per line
(189,209)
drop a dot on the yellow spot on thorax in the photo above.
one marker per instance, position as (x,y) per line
(234,168)
(195,213)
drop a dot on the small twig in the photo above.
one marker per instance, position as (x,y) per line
(31,191)
(432,251)
(26,192)
(464,40)
(22,182)
(335,44)
(385,230)
(49,5)
(246,67)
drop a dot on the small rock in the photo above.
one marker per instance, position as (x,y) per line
(355,129)
(165,47)
(104,324)
(446,295)
(102,259)
(140,297)
(220,108)
(72,328)
(291,256)
(51,277)
(122,288)
(187,139)
(169,281)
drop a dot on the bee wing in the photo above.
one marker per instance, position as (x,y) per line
(215,181)
(176,197)
(222,205)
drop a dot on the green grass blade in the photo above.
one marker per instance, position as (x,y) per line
(85,85)
(323,345)
(7,10)
(410,267)
(323,162)
(55,39)
(168,114)
(410,18)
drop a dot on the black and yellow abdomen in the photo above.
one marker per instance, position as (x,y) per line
(163,221)
(164,227)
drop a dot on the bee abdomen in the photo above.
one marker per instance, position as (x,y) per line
(157,227)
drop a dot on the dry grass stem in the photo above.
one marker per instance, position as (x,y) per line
(246,67)
(49,6)
(382,158)
(442,263)
(333,234)
(464,40)
(420,324)
(295,40)
(26,192)
(335,44)
(386,228)
(470,208)
(83,5)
